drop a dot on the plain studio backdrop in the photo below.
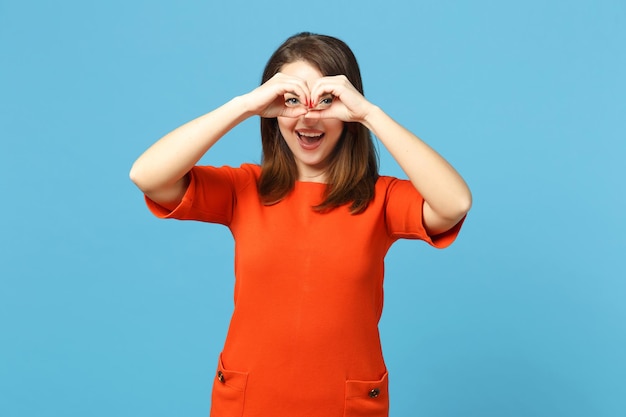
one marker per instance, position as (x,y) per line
(107,311)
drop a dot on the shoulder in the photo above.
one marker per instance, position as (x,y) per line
(242,170)
(383,181)
(386,185)
(239,177)
(253,169)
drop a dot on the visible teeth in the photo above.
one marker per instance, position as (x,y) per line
(310,135)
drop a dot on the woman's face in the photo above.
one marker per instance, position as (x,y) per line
(311,140)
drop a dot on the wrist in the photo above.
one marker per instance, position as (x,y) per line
(243,106)
(373,114)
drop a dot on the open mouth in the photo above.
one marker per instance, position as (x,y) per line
(309,139)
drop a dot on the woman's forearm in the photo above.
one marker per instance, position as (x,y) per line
(168,160)
(443,189)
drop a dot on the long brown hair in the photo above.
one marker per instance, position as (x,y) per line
(353,166)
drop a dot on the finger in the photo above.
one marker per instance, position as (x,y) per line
(336,85)
(296,87)
(294,112)
(322,91)
(293,99)
(323,103)
(281,87)
(331,113)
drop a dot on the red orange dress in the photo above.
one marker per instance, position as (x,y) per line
(303,339)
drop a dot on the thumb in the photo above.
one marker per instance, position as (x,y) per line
(329,113)
(294,112)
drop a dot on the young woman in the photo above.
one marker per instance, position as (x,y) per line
(311,225)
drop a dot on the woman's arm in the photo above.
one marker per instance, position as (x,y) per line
(447,197)
(161,171)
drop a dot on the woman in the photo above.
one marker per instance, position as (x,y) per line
(311,225)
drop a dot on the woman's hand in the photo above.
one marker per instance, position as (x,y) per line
(335,97)
(280,96)
(332,97)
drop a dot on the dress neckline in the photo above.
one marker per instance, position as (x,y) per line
(310,182)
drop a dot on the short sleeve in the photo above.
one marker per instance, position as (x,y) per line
(210,197)
(404,208)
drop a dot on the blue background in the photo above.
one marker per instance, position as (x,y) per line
(107,311)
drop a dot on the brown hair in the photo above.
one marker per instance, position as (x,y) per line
(353,165)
